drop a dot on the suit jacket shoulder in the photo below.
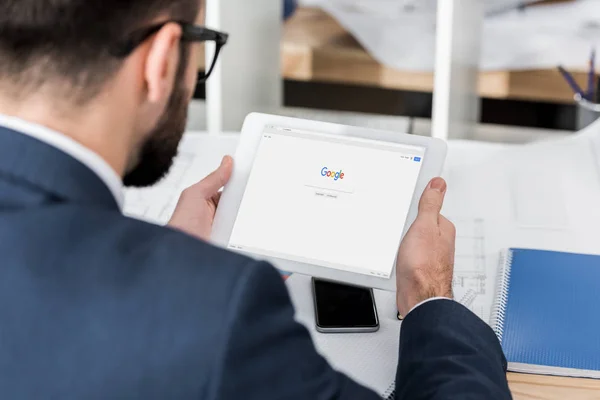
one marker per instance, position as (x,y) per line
(125,306)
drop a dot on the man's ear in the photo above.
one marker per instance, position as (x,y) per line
(162,62)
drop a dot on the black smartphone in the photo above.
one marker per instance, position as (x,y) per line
(341,308)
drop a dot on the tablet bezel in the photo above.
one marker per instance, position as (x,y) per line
(251,135)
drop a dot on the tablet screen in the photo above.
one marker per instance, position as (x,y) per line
(334,201)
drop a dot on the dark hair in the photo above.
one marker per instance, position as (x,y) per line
(42,40)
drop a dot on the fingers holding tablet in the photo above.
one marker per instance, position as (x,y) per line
(425,263)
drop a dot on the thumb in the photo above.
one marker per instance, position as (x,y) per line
(210,186)
(432,200)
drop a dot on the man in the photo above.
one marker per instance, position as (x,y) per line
(94,305)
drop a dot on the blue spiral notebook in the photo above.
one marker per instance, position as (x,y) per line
(547,312)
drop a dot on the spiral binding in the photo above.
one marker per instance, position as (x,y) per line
(501,297)
(390,393)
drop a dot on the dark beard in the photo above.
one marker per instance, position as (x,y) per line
(157,154)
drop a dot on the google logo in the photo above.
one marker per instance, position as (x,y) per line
(332,174)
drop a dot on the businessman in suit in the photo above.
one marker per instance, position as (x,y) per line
(95,305)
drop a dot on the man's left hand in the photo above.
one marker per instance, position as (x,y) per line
(195,211)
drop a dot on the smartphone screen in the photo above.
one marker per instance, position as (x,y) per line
(342,307)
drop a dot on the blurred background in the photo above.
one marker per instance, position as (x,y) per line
(373,63)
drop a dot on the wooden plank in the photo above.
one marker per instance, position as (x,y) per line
(298,62)
(336,57)
(536,387)
(542,85)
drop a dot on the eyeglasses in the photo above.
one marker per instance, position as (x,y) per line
(191,33)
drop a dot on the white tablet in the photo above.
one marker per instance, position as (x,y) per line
(325,200)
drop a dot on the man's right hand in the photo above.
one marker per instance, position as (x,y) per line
(425,264)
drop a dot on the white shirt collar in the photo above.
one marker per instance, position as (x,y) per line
(69,146)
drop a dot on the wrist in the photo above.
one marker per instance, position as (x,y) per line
(407,301)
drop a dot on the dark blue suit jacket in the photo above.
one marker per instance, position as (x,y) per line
(95,305)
